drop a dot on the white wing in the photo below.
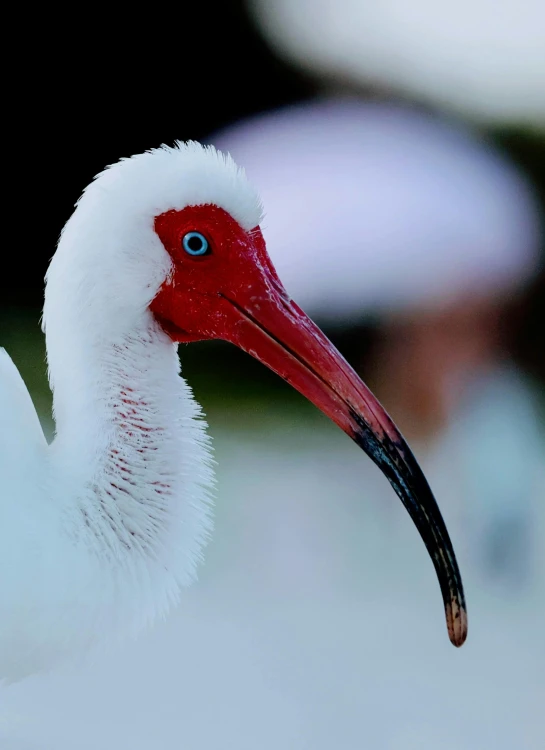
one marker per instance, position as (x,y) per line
(20,431)
(23,453)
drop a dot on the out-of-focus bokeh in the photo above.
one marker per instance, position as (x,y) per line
(401,160)
(483,59)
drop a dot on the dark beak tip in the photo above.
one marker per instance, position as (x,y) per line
(456,623)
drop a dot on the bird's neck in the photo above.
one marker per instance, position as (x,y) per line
(132,448)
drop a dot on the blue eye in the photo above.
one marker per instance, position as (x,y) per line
(195,243)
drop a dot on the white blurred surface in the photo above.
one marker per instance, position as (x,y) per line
(480,57)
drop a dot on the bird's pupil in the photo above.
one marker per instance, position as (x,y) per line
(195,243)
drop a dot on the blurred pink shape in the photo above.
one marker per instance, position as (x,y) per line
(373,207)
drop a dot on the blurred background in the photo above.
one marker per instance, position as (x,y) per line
(400,152)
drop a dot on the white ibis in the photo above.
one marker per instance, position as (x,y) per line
(101,529)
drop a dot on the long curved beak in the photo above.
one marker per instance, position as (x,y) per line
(273,329)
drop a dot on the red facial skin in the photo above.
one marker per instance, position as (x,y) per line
(233,293)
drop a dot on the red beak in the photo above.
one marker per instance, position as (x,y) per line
(276,331)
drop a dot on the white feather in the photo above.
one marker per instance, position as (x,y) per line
(101,529)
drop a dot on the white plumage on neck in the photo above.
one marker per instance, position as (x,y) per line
(110,522)
(140,470)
